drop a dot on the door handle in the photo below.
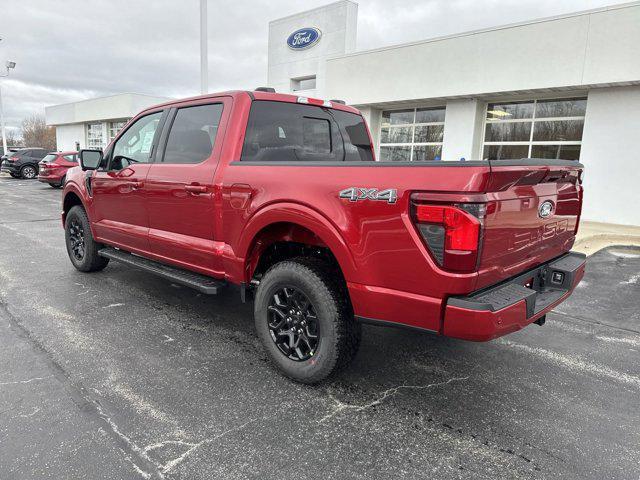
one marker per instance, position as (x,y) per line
(196,189)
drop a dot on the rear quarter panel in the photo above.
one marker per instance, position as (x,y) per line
(382,244)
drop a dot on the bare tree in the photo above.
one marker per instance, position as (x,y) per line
(35,133)
(13,139)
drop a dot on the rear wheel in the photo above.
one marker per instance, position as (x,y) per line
(305,320)
(29,172)
(81,247)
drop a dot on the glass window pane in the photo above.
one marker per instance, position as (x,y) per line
(499,152)
(561,108)
(400,134)
(94,135)
(427,153)
(563,152)
(559,130)
(316,135)
(193,134)
(279,131)
(508,132)
(357,143)
(429,134)
(427,115)
(509,111)
(395,154)
(384,135)
(134,146)
(397,117)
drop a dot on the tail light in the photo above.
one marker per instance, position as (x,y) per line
(452,233)
(13,159)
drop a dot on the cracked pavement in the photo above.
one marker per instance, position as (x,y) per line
(122,375)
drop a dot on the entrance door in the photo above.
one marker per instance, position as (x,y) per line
(180,187)
(119,199)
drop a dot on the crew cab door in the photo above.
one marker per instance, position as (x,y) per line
(119,199)
(180,188)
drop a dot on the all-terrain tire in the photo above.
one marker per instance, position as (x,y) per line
(85,259)
(339,334)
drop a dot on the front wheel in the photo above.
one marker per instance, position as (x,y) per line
(81,247)
(304,320)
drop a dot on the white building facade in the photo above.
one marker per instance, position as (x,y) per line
(564,87)
(95,122)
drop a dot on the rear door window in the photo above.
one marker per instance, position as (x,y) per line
(280,131)
(193,134)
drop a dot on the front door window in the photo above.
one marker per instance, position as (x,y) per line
(135,145)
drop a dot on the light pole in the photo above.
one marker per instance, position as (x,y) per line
(9,66)
(204,55)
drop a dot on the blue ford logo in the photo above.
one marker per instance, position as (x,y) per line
(304,38)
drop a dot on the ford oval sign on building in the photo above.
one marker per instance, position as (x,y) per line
(304,38)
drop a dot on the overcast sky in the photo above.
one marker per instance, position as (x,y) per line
(76,49)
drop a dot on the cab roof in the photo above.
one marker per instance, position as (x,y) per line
(259,95)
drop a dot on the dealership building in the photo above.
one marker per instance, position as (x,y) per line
(561,87)
(93,123)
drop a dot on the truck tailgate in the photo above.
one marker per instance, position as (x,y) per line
(532,216)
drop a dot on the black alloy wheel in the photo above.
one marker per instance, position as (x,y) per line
(304,319)
(83,250)
(293,324)
(76,239)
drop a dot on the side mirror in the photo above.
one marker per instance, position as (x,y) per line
(90,159)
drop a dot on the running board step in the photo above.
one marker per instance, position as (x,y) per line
(202,283)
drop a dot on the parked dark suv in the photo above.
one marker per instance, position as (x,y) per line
(24,162)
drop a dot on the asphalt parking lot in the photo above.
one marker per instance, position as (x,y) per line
(121,375)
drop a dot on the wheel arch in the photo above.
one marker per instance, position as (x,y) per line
(292,223)
(70,200)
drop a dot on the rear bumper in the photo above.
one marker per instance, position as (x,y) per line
(9,167)
(51,177)
(514,304)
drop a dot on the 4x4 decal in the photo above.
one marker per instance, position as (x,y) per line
(353,194)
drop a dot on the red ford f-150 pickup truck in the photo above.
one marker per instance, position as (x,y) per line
(282,196)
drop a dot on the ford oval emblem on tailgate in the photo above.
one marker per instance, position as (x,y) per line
(304,38)
(546,209)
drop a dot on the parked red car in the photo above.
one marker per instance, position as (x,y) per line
(282,196)
(53,168)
